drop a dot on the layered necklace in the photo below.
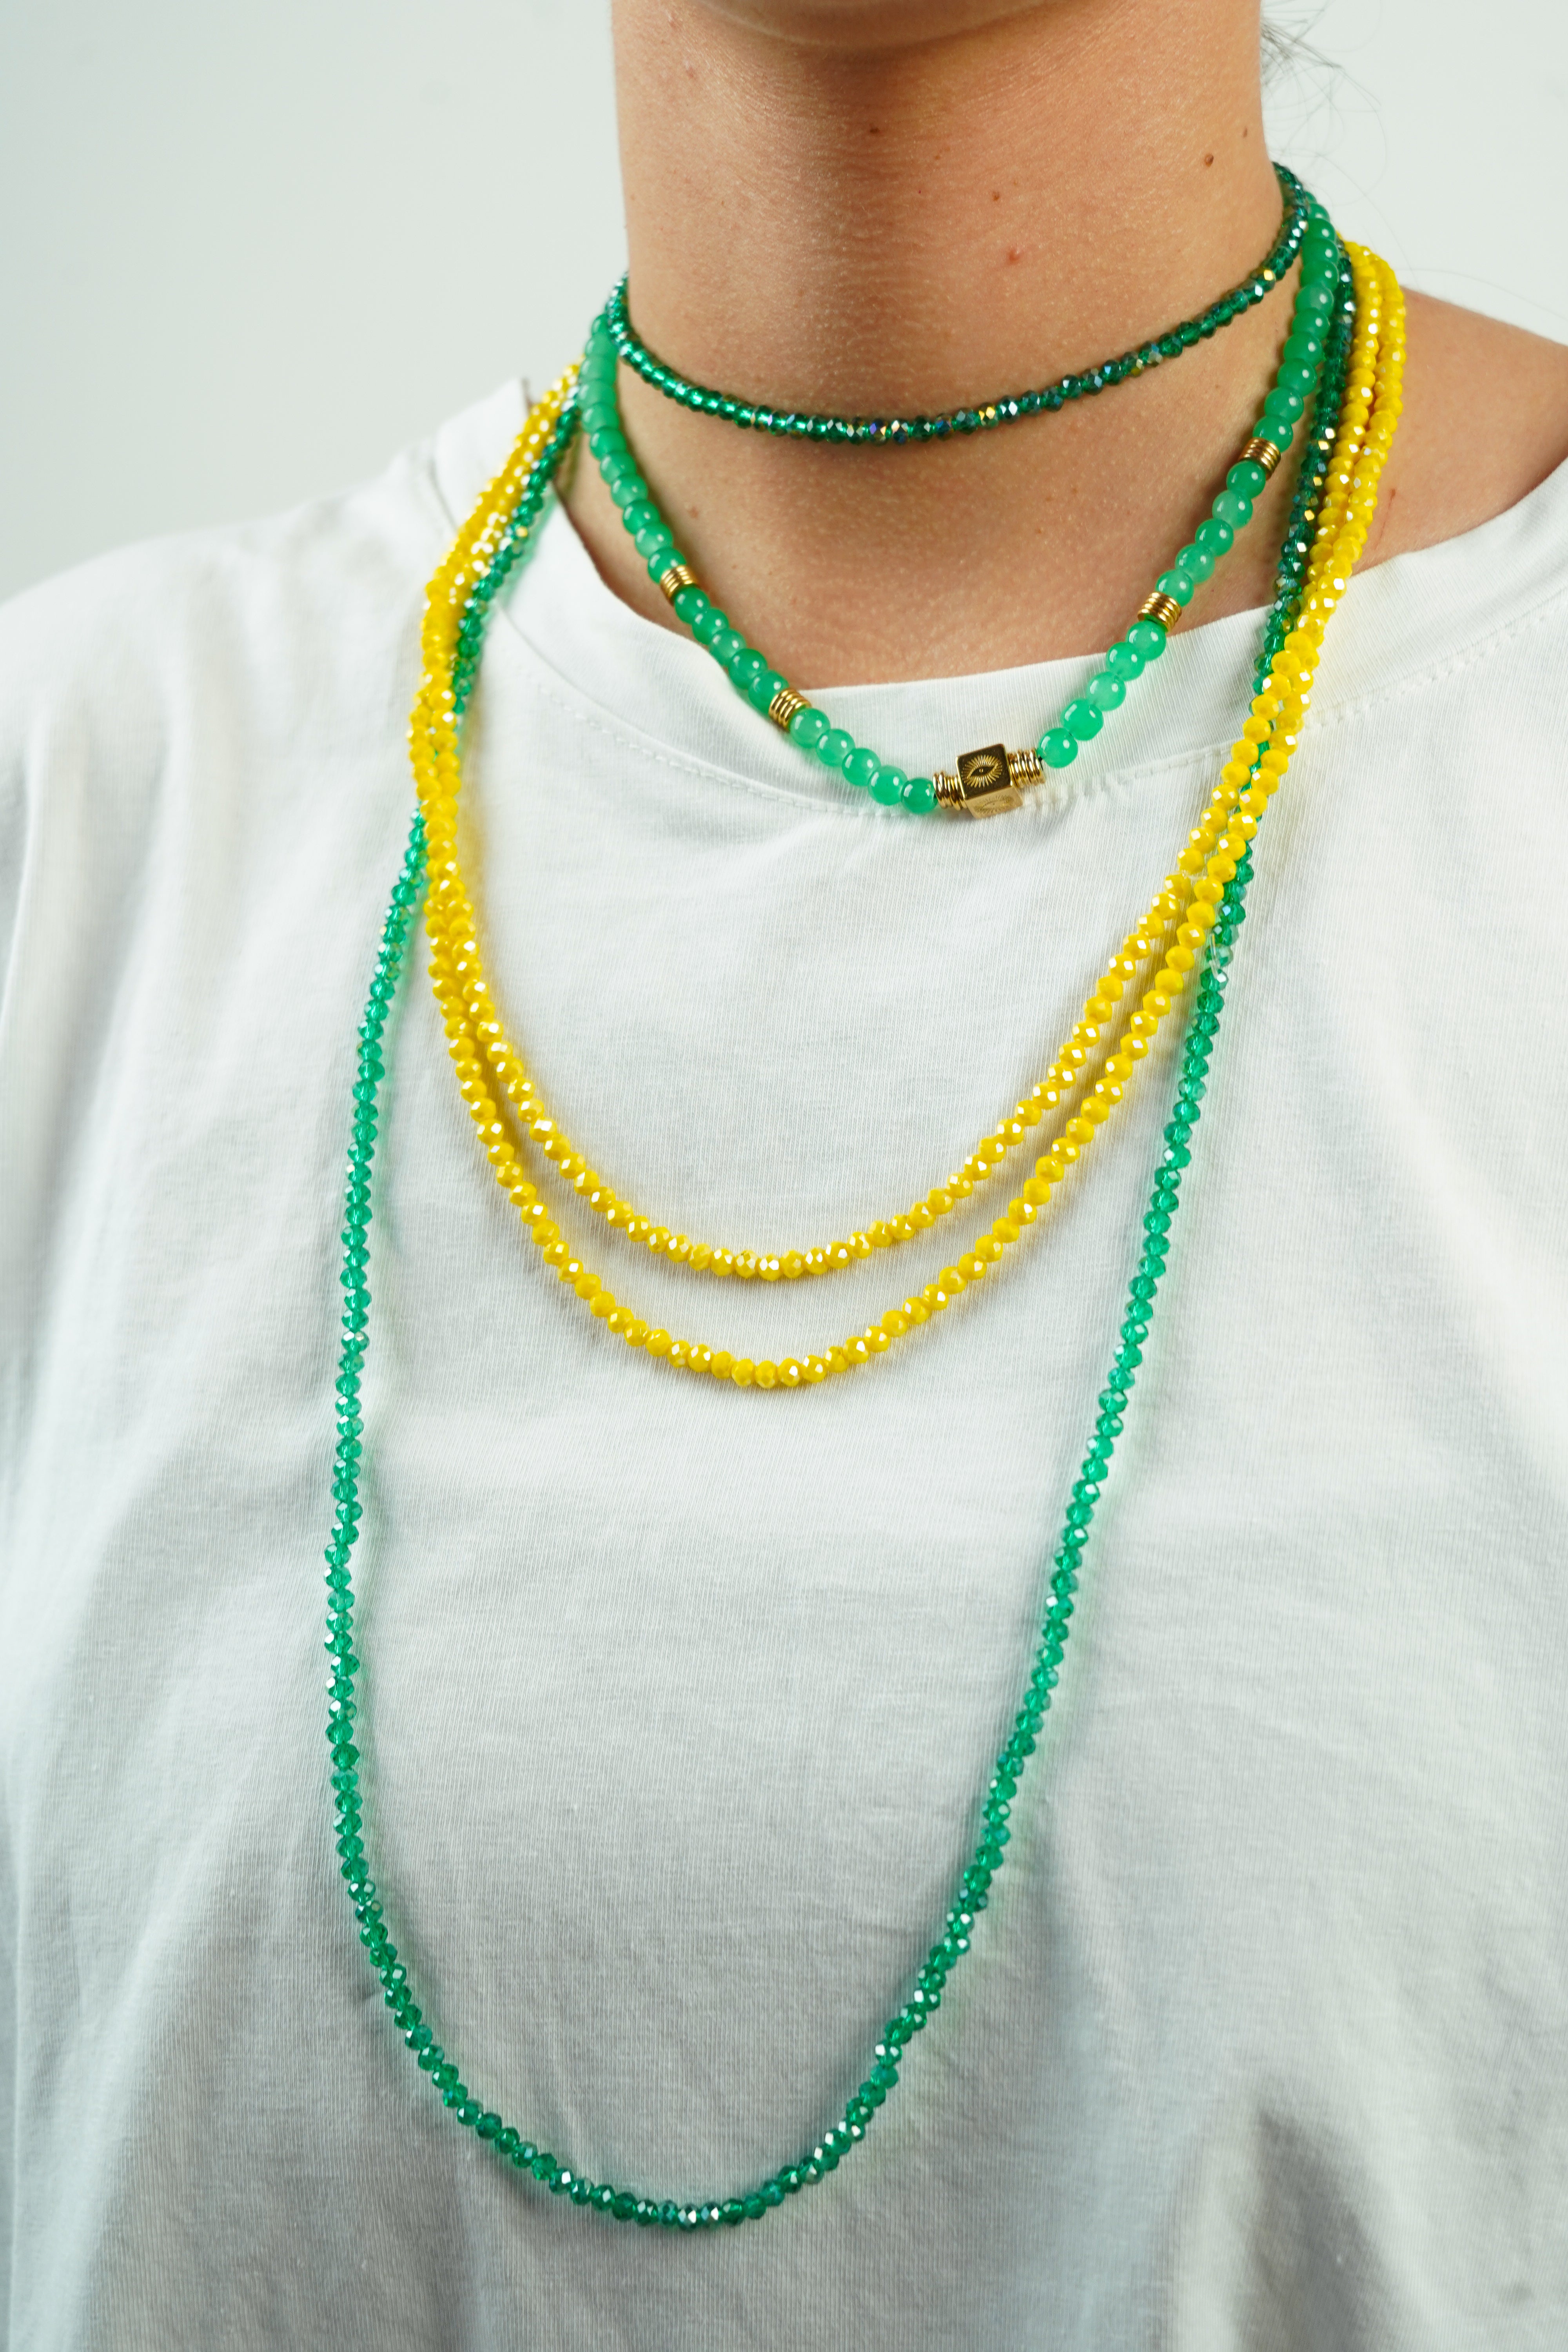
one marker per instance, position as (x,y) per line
(1338,383)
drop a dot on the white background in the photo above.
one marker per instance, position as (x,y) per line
(245,253)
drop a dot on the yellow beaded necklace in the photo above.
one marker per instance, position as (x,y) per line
(1170,938)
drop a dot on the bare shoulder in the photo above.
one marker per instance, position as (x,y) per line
(1485,420)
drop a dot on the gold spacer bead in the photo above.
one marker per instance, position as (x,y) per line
(784,705)
(949,794)
(679,576)
(1261,453)
(1161,608)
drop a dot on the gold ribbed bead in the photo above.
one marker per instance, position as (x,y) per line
(1161,608)
(1261,453)
(677,577)
(784,705)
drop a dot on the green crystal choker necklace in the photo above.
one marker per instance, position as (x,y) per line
(892,432)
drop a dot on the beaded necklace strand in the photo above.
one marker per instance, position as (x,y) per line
(893,432)
(993,779)
(1368,408)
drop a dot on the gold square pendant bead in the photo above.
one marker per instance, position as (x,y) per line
(988,780)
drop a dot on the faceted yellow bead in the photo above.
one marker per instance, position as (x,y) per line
(721,1364)
(815,1368)
(877,1340)
(658,1343)
(791,1373)
(745,1264)
(894,1324)
(769,1268)
(1080,1131)
(916,1311)
(791,1264)
(741,1372)
(701,1257)
(636,1333)
(586,1284)
(1037,1190)
(971,1267)
(837,1361)
(939,1202)
(765,1375)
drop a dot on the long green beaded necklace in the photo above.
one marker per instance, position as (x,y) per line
(900,431)
(971,1894)
(992,779)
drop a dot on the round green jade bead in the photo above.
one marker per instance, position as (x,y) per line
(920,795)
(1124,660)
(1106,690)
(888,786)
(1148,639)
(746,665)
(1195,561)
(1180,584)
(761,690)
(834,748)
(808,727)
(860,769)
(1083,719)
(690,606)
(1057,748)
(1216,538)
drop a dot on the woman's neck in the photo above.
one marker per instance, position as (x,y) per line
(913,221)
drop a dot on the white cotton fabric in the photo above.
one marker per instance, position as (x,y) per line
(679,1699)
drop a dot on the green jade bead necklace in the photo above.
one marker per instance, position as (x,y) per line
(768,691)
(975,1882)
(894,432)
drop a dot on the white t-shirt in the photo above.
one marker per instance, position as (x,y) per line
(679,1699)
